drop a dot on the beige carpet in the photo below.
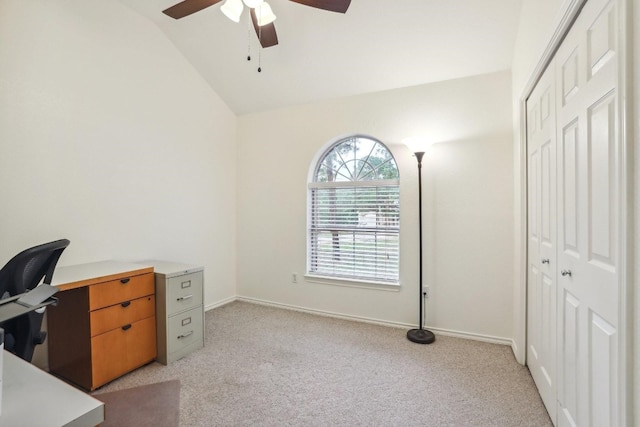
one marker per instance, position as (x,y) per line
(152,405)
(264,366)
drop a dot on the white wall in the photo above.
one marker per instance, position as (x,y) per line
(467,199)
(108,137)
(538,21)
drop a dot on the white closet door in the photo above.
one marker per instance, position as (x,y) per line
(541,286)
(588,229)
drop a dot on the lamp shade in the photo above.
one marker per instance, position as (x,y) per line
(232,9)
(264,14)
(417,144)
(253,3)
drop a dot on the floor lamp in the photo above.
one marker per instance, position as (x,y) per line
(420,335)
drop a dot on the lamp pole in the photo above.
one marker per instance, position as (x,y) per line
(420,335)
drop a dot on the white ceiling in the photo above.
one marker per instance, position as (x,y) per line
(376,45)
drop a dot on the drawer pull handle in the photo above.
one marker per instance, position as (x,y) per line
(125,304)
(184,297)
(125,280)
(186,284)
(126,327)
(185,335)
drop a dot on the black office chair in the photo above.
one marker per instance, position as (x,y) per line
(21,274)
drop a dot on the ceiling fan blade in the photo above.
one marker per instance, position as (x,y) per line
(340,6)
(187,7)
(266,34)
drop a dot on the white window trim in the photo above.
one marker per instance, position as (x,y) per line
(351,184)
(354,282)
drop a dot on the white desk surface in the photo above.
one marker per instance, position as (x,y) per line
(69,277)
(33,397)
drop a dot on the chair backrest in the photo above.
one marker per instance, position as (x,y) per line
(22,273)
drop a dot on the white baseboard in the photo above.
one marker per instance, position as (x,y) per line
(516,352)
(322,312)
(472,336)
(219,303)
(437,331)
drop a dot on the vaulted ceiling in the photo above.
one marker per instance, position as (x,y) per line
(377,45)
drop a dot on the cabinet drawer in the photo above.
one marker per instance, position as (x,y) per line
(185,329)
(116,291)
(184,292)
(121,350)
(118,315)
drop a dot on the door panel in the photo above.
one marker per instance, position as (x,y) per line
(587,220)
(601,124)
(573,151)
(541,281)
(568,383)
(601,41)
(547,195)
(569,77)
(569,190)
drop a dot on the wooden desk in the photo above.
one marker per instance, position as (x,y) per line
(104,324)
(32,397)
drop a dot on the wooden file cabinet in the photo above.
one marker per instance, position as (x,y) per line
(179,308)
(104,324)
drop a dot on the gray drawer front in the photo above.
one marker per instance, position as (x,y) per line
(184,292)
(185,329)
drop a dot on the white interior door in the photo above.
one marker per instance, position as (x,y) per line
(588,228)
(574,199)
(541,275)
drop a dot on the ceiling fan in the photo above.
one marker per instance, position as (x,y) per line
(266,32)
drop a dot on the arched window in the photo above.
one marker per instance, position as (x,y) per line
(354,213)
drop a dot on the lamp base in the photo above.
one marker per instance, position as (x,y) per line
(421,336)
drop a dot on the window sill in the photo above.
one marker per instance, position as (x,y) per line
(352,283)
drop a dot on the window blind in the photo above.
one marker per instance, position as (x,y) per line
(354,230)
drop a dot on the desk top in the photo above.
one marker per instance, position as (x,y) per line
(76,276)
(32,397)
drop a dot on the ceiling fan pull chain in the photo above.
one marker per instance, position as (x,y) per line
(260,49)
(249,41)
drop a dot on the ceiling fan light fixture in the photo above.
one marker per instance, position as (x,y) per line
(253,3)
(265,14)
(232,9)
